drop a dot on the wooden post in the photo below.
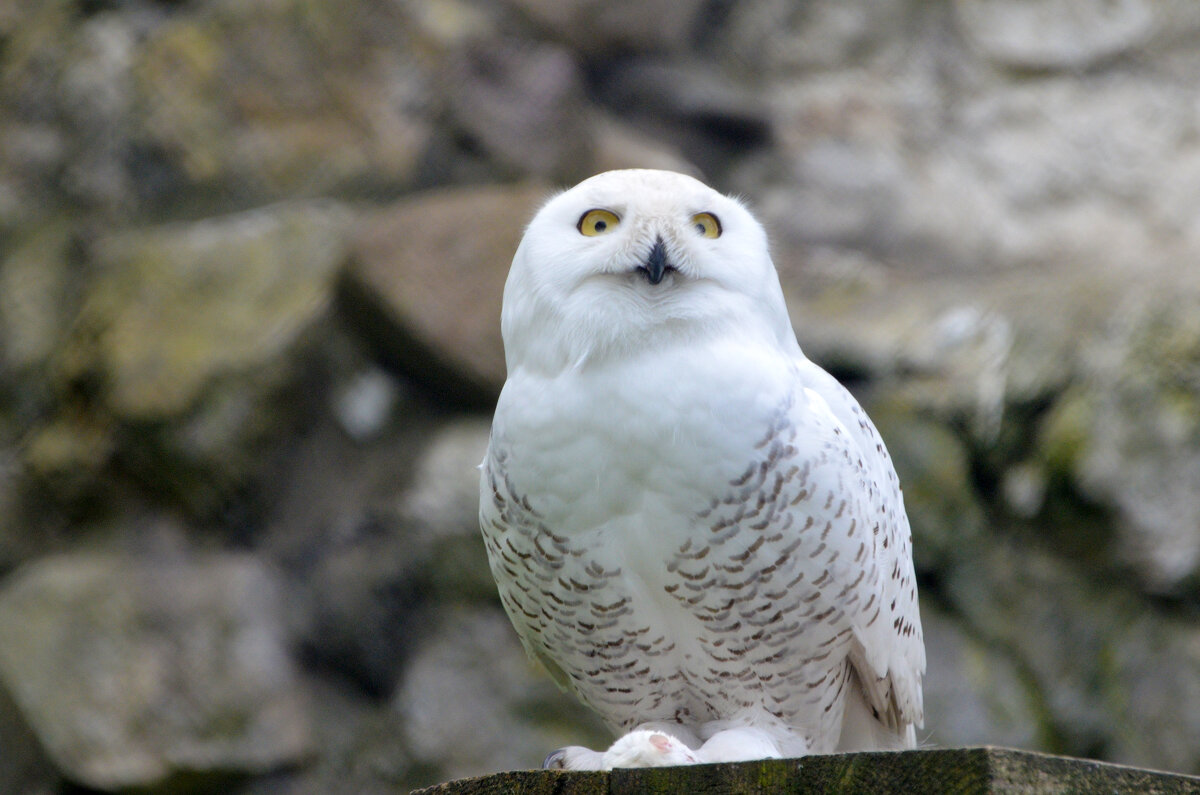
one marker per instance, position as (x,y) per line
(963,771)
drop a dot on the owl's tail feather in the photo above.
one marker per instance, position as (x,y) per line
(862,731)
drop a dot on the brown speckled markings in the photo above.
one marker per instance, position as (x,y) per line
(765,581)
(773,587)
(572,612)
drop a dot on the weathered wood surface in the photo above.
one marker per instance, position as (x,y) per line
(963,771)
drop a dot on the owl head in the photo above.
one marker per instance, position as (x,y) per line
(634,261)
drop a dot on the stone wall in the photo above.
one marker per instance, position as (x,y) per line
(250,263)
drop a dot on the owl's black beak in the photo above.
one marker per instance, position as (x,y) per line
(656,264)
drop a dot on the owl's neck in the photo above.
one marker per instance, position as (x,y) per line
(549,354)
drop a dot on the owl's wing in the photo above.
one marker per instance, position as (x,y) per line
(889,652)
(502,512)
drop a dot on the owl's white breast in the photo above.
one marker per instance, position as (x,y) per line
(637,446)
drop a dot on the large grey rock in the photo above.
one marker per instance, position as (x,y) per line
(1107,353)
(1060,34)
(179,307)
(1055,183)
(844,157)
(1137,423)
(972,693)
(1084,646)
(443,496)
(192,333)
(898,162)
(132,672)
(441,508)
(1156,662)
(780,38)
(472,702)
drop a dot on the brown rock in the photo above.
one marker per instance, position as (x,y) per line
(425,282)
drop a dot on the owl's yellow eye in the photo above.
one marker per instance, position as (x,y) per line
(597,222)
(707,224)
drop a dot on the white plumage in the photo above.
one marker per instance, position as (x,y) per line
(695,528)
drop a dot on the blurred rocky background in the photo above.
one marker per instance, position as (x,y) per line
(251,256)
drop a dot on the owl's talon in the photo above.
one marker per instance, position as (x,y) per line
(648,748)
(574,757)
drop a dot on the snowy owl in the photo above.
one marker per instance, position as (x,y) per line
(693,527)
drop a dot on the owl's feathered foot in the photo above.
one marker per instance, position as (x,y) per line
(657,748)
(640,748)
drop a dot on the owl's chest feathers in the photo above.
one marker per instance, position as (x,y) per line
(635,446)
